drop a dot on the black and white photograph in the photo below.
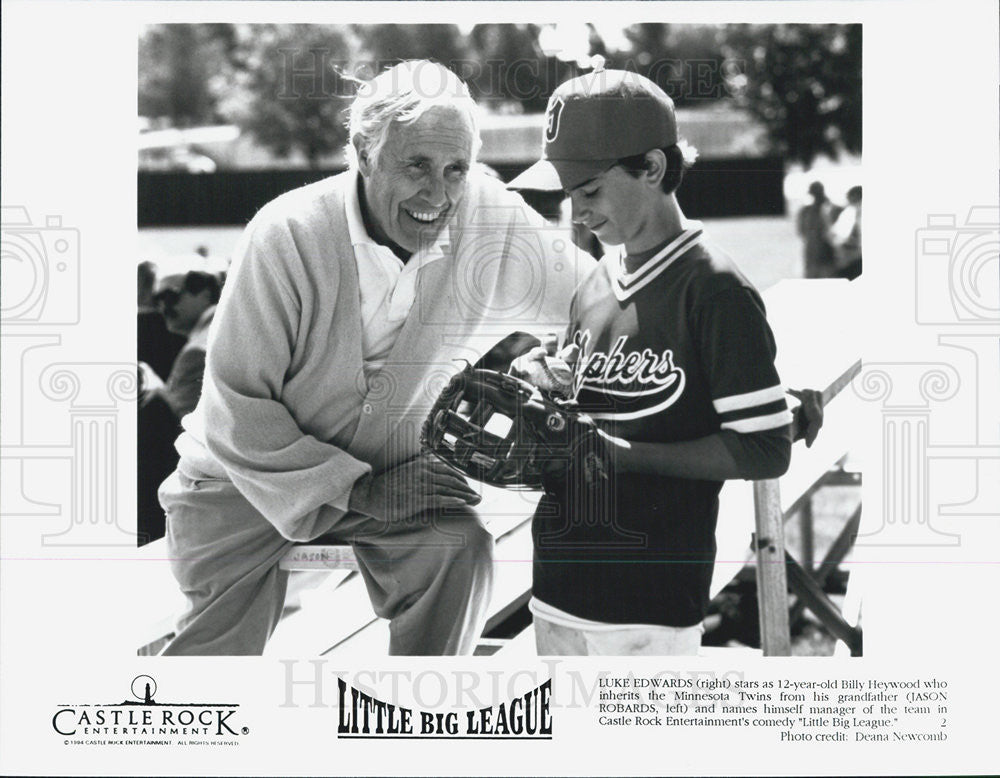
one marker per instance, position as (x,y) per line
(504,382)
(541,201)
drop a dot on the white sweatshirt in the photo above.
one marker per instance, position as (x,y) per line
(286,412)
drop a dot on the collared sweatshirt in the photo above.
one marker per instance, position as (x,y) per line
(287,413)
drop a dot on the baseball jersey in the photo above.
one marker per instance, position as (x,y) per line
(674,350)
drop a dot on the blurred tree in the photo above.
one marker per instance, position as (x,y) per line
(683,59)
(804,82)
(383,45)
(289,86)
(179,69)
(508,68)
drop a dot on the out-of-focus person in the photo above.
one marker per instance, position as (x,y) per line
(158,347)
(157,425)
(186,294)
(813,224)
(845,234)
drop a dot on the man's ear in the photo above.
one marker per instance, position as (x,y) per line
(361,149)
(656,166)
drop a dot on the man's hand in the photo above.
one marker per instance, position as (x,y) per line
(809,415)
(423,483)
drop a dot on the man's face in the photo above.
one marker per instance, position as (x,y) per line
(180,308)
(615,207)
(420,176)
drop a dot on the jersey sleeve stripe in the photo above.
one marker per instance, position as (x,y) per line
(760,423)
(765,409)
(736,402)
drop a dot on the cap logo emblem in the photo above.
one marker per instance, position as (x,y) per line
(554,113)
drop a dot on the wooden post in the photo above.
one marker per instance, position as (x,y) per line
(772,583)
(806,528)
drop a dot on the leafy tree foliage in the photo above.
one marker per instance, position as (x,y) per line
(289,84)
(179,65)
(804,83)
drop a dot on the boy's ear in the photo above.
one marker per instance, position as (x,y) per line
(656,166)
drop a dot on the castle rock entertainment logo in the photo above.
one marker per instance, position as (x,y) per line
(526,717)
(145,720)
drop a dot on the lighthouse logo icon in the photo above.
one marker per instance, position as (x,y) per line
(143,688)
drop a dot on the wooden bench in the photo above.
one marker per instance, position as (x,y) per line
(327,608)
(339,619)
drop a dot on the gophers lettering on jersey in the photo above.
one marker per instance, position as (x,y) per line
(645,378)
(660,353)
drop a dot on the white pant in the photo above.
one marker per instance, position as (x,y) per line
(553,639)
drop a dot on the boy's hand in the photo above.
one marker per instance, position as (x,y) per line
(570,354)
(809,415)
(550,374)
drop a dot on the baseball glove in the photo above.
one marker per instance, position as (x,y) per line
(503,431)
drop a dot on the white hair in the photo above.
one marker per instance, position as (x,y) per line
(402,94)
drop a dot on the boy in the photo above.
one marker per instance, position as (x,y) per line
(676,366)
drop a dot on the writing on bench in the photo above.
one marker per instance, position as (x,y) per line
(319,557)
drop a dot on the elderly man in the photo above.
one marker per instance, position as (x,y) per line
(348,304)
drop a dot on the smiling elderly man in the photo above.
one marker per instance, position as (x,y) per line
(348,304)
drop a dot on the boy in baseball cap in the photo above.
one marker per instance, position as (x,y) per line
(595,120)
(675,363)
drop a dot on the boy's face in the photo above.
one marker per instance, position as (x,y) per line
(617,208)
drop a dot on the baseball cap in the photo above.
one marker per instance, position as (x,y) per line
(593,121)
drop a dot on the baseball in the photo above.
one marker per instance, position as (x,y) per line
(550,374)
